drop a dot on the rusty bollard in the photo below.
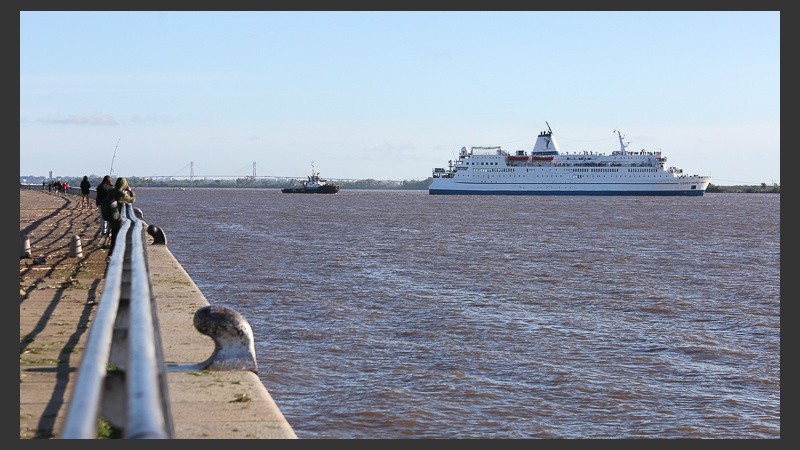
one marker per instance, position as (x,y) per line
(233,339)
(157,234)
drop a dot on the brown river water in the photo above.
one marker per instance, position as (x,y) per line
(397,314)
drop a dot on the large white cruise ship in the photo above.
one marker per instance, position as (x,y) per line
(547,171)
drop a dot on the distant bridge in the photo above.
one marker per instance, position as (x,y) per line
(192,175)
(249,177)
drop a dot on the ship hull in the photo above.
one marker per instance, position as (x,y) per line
(689,188)
(327,189)
(694,193)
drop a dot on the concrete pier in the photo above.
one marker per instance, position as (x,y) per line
(59,288)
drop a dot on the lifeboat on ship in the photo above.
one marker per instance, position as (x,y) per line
(519,157)
(542,158)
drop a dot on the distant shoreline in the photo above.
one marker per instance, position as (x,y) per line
(413,185)
(745,189)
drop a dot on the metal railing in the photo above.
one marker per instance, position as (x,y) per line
(122,377)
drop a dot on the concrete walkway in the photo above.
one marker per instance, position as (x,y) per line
(58,295)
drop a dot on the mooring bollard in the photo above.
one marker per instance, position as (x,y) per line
(75,249)
(25,246)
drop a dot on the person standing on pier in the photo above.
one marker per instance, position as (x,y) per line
(85,187)
(104,189)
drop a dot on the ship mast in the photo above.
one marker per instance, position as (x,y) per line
(622,144)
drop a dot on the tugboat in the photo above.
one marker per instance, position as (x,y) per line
(313,185)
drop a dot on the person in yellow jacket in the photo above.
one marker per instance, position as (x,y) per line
(122,193)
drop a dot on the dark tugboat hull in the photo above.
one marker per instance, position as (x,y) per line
(327,189)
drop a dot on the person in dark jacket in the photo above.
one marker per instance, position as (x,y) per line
(104,189)
(122,193)
(85,188)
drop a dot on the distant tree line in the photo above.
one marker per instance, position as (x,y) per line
(763,188)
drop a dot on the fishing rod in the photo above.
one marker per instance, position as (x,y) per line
(111,170)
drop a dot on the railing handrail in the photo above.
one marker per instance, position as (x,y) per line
(127,302)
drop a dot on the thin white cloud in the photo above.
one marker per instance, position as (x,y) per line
(96,119)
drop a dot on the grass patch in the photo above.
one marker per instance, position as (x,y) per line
(201,373)
(241,398)
(105,430)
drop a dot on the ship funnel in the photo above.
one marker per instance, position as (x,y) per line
(546,144)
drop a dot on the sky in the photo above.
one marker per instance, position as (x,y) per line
(389,95)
